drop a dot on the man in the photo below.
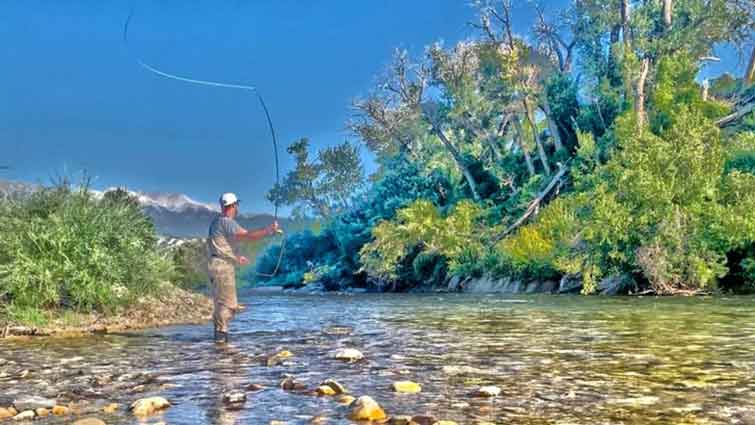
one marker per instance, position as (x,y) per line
(221,243)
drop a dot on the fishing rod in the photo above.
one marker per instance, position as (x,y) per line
(220,84)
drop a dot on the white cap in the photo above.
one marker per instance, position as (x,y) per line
(227,199)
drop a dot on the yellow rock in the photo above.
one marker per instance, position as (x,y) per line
(337,387)
(366,409)
(42,412)
(149,406)
(59,410)
(111,408)
(6,413)
(325,390)
(406,387)
(345,399)
(25,415)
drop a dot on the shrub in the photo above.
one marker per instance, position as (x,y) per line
(62,247)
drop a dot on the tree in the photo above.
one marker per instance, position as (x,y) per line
(324,186)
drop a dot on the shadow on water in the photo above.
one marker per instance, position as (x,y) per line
(557,359)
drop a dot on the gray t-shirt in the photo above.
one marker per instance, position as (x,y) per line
(221,242)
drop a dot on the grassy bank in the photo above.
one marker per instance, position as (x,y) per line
(69,258)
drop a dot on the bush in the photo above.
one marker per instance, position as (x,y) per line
(62,247)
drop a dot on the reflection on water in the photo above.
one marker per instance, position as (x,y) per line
(559,360)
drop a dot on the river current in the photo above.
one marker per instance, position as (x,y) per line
(557,359)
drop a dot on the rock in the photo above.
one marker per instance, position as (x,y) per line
(26,415)
(291,384)
(402,420)
(445,423)
(407,387)
(234,397)
(60,410)
(366,409)
(325,390)
(570,284)
(348,355)
(338,388)
(42,412)
(345,399)
(278,358)
(111,408)
(616,284)
(454,284)
(318,420)
(423,420)
(487,391)
(89,421)
(149,406)
(6,413)
(255,387)
(33,403)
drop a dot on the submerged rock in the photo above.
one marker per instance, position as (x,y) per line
(366,409)
(487,391)
(278,358)
(33,403)
(445,423)
(424,419)
(42,412)
(111,408)
(234,397)
(325,390)
(291,384)
(26,415)
(348,355)
(149,406)
(337,387)
(402,420)
(407,387)
(255,387)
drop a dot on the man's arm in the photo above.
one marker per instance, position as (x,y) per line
(257,234)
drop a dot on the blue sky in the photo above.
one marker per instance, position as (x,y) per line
(72,97)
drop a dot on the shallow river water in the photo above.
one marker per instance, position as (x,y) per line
(558,360)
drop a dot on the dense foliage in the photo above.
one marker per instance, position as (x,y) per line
(500,159)
(63,247)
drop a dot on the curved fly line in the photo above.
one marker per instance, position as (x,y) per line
(234,86)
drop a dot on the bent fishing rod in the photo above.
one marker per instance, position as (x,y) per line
(234,86)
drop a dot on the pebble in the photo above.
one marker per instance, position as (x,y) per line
(488,391)
(60,410)
(366,409)
(89,421)
(111,408)
(424,420)
(25,415)
(407,387)
(33,403)
(234,397)
(149,406)
(402,420)
(348,355)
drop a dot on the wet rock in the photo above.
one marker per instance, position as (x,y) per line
(42,412)
(278,358)
(33,403)
(424,419)
(402,420)
(325,390)
(348,355)
(149,406)
(111,408)
(570,284)
(26,415)
(255,387)
(6,413)
(291,384)
(337,387)
(616,284)
(407,387)
(318,420)
(487,391)
(366,409)
(60,411)
(89,421)
(234,397)
(345,399)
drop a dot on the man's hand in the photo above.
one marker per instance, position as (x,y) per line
(242,260)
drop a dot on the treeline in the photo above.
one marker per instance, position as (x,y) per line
(587,148)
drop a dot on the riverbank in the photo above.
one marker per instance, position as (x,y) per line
(169,305)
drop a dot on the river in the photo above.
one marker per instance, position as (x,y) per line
(557,359)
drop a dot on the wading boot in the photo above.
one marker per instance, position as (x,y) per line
(221,337)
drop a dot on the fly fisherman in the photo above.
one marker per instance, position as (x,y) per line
(221,244)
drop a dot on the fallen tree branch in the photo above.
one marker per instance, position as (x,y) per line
(535,204)
(723,122)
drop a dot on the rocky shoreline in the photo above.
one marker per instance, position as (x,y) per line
(170,305)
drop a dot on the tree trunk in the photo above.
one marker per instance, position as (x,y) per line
(639,95)
(552,126)
(625,21)
(750,74)
(706,88)
(459,162)
(519,137)
(540,150)
(667,10)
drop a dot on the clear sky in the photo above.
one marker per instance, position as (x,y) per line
(72,97)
